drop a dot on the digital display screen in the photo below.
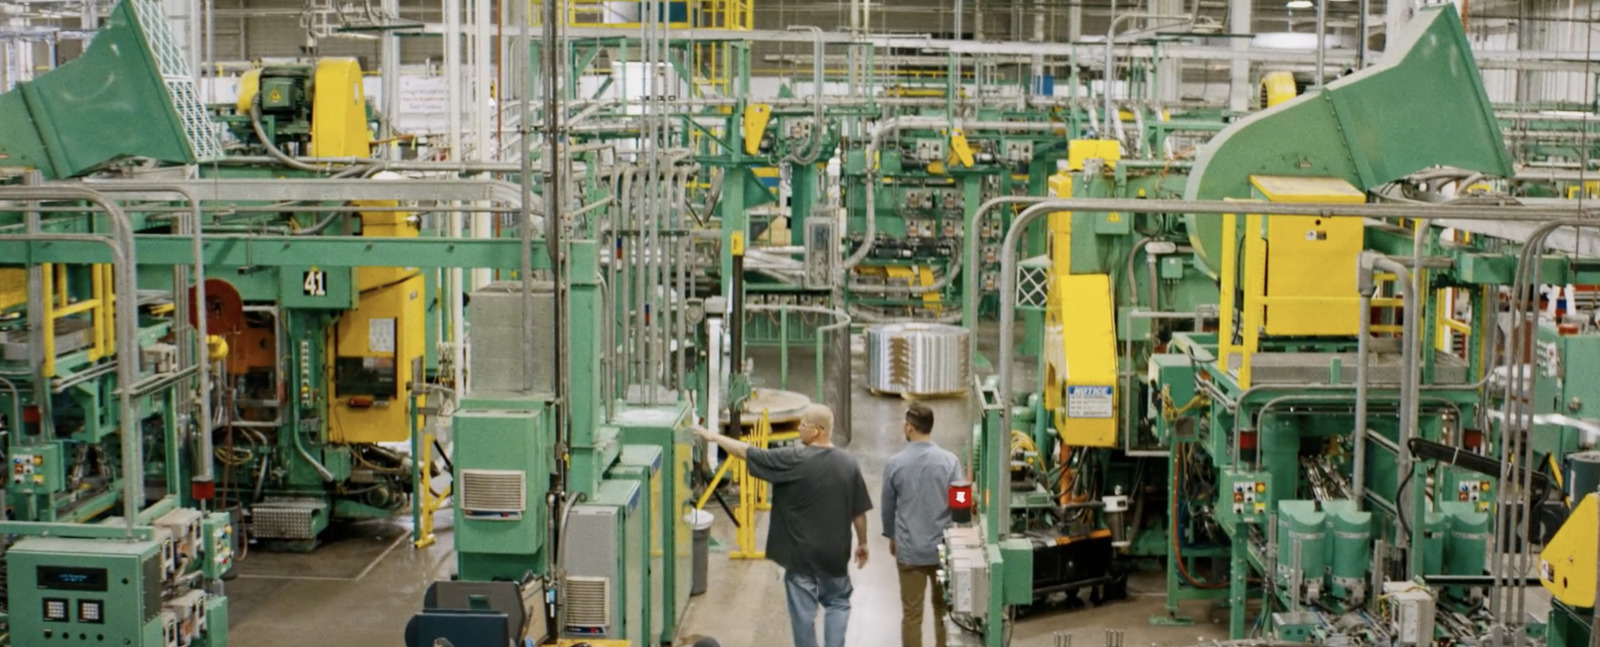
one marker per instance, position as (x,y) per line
(72,578)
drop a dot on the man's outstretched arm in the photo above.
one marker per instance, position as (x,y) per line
(733,446)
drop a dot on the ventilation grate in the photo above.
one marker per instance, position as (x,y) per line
(500,492)
(179,79)
(289,519)
(587,602)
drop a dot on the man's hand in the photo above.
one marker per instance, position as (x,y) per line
(732,446)
(861,556)
(892,552)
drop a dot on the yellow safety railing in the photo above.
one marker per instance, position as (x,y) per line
(426,502)
(100,307)
(1250,311)
(1449,326)
(731,15)
(754,494)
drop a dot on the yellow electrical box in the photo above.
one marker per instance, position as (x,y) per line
(376,348)
(1311,261)
(339,110)
(1567,565)
(1082,150)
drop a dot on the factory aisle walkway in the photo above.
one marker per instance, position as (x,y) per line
(360,590)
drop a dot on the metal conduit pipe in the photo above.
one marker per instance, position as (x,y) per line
(867,317)
(970,288)
(1366,286)
(1409,387)
(342,189)
(272,149)
(816,69)
(681,267)
(1008,262)
(204,470)
(1110,59)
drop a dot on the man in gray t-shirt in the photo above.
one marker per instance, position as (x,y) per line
(818,494)
(916,513)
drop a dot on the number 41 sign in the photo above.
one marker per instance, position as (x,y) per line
(315,283)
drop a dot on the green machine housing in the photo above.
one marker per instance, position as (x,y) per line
(502,446)
(666,428)
(641,464)
(603,554)
(96,591)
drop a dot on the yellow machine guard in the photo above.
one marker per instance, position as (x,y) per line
(389,326)
(1082,150)
(1080,347)
(339,111)
(1567,565)
(1311,261)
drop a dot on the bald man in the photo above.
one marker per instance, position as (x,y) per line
(818,495)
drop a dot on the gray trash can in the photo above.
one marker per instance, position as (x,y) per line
(700,521)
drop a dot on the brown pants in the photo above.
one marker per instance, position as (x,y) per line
(913,581)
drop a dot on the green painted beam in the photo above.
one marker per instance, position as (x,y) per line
(1498,269)
(289,251)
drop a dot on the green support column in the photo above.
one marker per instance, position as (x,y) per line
(593,447)
(972,277)
(1239,582)
(802,198)
(1173,616)
(731,208)
(994,634)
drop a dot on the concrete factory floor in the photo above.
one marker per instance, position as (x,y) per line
(360,589)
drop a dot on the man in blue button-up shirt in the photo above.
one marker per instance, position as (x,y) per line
(915,515)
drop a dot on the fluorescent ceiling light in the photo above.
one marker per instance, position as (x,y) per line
(1299,4)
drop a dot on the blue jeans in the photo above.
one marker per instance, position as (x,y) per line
(808,591)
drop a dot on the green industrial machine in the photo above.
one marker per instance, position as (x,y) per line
(119,592)
(502,520)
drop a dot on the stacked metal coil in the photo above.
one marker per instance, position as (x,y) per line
(917,359)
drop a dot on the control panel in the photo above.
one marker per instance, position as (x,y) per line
(127,593)
(1245,497)
(1470,487)
(37,469)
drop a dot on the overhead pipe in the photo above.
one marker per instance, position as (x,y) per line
(1366,287)
(204,469)
(1110,60)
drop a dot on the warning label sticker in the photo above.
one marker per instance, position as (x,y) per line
(1090,402)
